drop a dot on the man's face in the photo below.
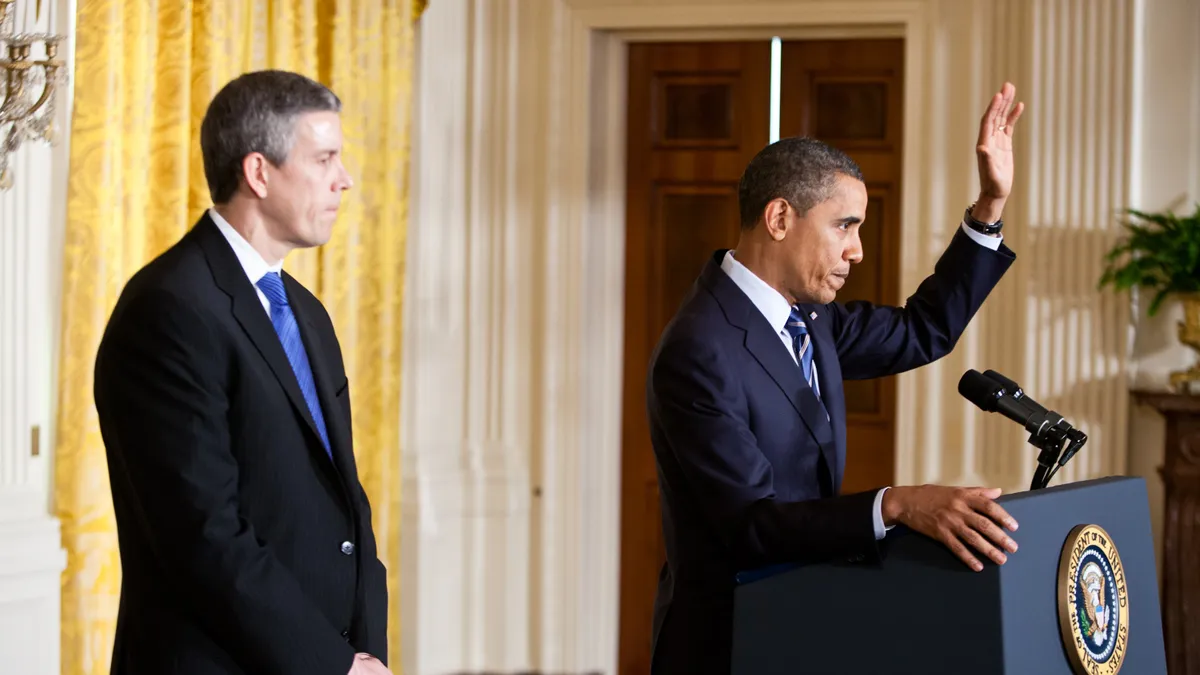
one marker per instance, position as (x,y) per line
(303,193)
(821,245)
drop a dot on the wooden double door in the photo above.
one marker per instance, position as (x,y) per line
(697,114)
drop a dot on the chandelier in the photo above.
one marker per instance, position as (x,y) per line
(30,87)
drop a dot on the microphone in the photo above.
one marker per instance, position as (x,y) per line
(1015,390)
(1048,431)
(1077,438)
(991,395)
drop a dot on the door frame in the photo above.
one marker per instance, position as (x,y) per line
(595,40)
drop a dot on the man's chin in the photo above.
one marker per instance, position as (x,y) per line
(314,240)
(826,297)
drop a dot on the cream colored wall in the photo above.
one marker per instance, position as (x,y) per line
(1167,176)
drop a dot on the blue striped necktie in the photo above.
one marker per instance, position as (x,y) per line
(289,334)
(802,346)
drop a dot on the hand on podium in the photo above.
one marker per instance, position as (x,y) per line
(954,516)
(365,664)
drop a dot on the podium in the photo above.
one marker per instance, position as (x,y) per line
(922,610)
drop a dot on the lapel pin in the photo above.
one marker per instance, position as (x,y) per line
(813,316)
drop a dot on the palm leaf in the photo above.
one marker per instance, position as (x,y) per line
(1159,252)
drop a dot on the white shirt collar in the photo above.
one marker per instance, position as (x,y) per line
(769,301)
(250,259)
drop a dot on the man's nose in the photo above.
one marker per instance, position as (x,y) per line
(854,252)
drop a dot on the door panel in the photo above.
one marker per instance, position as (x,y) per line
(849,94)
(697,114)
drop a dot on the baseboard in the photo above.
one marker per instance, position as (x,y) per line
(31,564)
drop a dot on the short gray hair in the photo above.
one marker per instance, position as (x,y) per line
(799,169)
(256,112)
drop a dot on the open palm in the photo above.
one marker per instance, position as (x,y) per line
(994,149)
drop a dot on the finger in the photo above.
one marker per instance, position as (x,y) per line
(987,493)
(1013,117)
(997,513)
(992,531)
(1005,105)
(961,551)
(987,124)
(982,545)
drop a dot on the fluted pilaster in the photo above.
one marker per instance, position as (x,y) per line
(1046,325)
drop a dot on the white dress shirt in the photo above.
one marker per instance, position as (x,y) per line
(776,310)
(251,261)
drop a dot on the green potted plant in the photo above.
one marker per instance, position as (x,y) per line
(1161,253)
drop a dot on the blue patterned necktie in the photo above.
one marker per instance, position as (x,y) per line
(289,334)
(802,346)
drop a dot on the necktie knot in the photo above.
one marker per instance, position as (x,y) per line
(795,325)
(271,284)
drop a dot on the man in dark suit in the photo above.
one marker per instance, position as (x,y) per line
(245,535)
(747,414)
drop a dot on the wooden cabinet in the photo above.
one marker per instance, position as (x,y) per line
(1181,528)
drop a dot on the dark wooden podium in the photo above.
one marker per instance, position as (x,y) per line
(1181,528)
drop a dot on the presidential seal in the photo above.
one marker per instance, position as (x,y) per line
(1093,605)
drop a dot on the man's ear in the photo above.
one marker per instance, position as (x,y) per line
(254,172)
(775,217)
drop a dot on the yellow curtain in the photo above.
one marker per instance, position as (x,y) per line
(145,71)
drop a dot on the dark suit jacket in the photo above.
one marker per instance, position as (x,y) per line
(749,465)
(244,549)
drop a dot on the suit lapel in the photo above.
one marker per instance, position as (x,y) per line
(335,425)
(249,312)
(829,374)
(771,353)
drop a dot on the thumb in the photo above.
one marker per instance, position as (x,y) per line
(992,493)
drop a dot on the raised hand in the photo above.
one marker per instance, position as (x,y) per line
(994,151)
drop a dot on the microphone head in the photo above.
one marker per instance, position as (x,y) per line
(1010,386)
(981,390)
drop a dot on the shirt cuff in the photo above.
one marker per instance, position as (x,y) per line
(983,239)
(877,515)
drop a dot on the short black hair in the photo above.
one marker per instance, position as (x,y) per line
(256,112)
(799,169)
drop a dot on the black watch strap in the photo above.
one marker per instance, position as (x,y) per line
(979,225)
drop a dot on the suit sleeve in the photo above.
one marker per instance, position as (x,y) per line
(876,341)
(373,639)
(698,407)
(163,411)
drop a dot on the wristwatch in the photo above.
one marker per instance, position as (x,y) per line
(979,225)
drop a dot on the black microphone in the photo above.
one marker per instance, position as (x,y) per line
(1018,393)
(1048,431)
(992,396)
(1075,437)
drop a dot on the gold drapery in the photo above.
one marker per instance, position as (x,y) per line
(145,72)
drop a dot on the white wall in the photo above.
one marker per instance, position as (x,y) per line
(1167,177)
(32,215)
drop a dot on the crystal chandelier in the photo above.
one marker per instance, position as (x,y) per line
(30,88)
